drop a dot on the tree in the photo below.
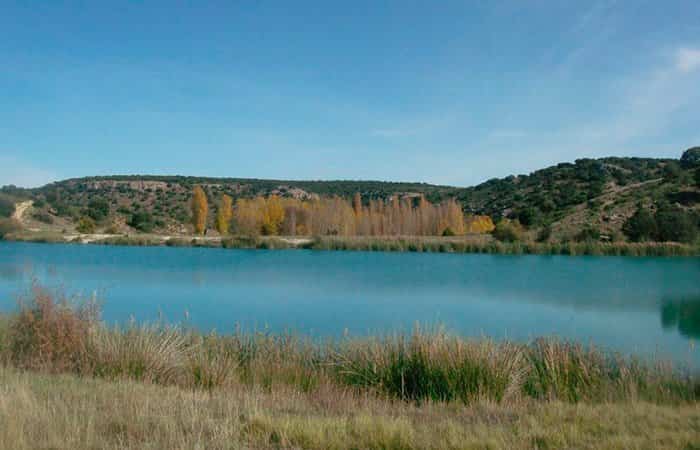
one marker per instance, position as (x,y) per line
(544,234)
(273,215)
(8,226)
(86,225)
(224,215)
(671,172)
(697,177)
(200,209)
(641,226)
(357,204)
(142,221)
(507,231)
(589,233)
(528,216)
(454,217)
(674,224)
(479,224)
(7,206)
(98,209)
(691,158)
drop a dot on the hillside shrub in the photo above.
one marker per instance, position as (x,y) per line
(86,225)
(7,206)
(508,231)
(589,233)
(641,226)
(8,226)
(544,234)
(448,232)
(691,158)
(98,209)
(675,224)
(142,221)
(43,217)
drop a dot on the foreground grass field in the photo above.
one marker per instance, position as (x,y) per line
(67,381)
(65,411)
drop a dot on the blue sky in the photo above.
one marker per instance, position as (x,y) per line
(442,92)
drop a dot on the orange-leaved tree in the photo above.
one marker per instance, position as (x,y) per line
(200,209)
(224,215)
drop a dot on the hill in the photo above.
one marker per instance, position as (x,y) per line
(589,198)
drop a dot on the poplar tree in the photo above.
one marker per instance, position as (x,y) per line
(223,215)
(200,209)
(357,204)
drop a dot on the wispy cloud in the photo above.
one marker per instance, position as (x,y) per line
(688,59)
(639,117)
(20,173)
(391,132)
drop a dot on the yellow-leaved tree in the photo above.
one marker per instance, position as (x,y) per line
(272,216)
(479,224)
(200,209)
(224,214)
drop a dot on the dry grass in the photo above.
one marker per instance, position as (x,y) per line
(63,411)
(484,244)
(58,336)
(66,381)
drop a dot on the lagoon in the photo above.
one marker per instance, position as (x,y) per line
(641,305)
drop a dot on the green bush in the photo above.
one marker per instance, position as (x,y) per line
(544,234)
(691,158)
(529,217)
(142,221)
(7,206)
(675,224)
(507,231)
(44,217)
(589,233)
(86,225)
(448,232)
(8,226)
(641,226)
(98,209)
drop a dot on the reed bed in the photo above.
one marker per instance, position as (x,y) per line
(473,243)
(52,334)
(484,244)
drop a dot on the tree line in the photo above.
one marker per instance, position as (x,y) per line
(274,215)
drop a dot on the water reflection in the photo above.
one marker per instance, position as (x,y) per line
(682,314)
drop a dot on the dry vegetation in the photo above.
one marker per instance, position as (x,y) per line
(67,381)
(65,411)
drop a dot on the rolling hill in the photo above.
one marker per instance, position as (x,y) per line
(565,200)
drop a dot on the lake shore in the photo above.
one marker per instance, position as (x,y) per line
(453,244)
(66,377)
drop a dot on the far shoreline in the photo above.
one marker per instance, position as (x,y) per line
(476,244)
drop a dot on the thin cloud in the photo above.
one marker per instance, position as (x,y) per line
(687,59)
(390,132)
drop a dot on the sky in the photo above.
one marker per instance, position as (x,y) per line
(446,92)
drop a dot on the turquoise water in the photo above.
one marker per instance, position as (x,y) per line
(647,306)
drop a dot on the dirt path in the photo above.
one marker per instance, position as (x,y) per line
(20,209)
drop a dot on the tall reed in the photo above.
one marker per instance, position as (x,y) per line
(57,336)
